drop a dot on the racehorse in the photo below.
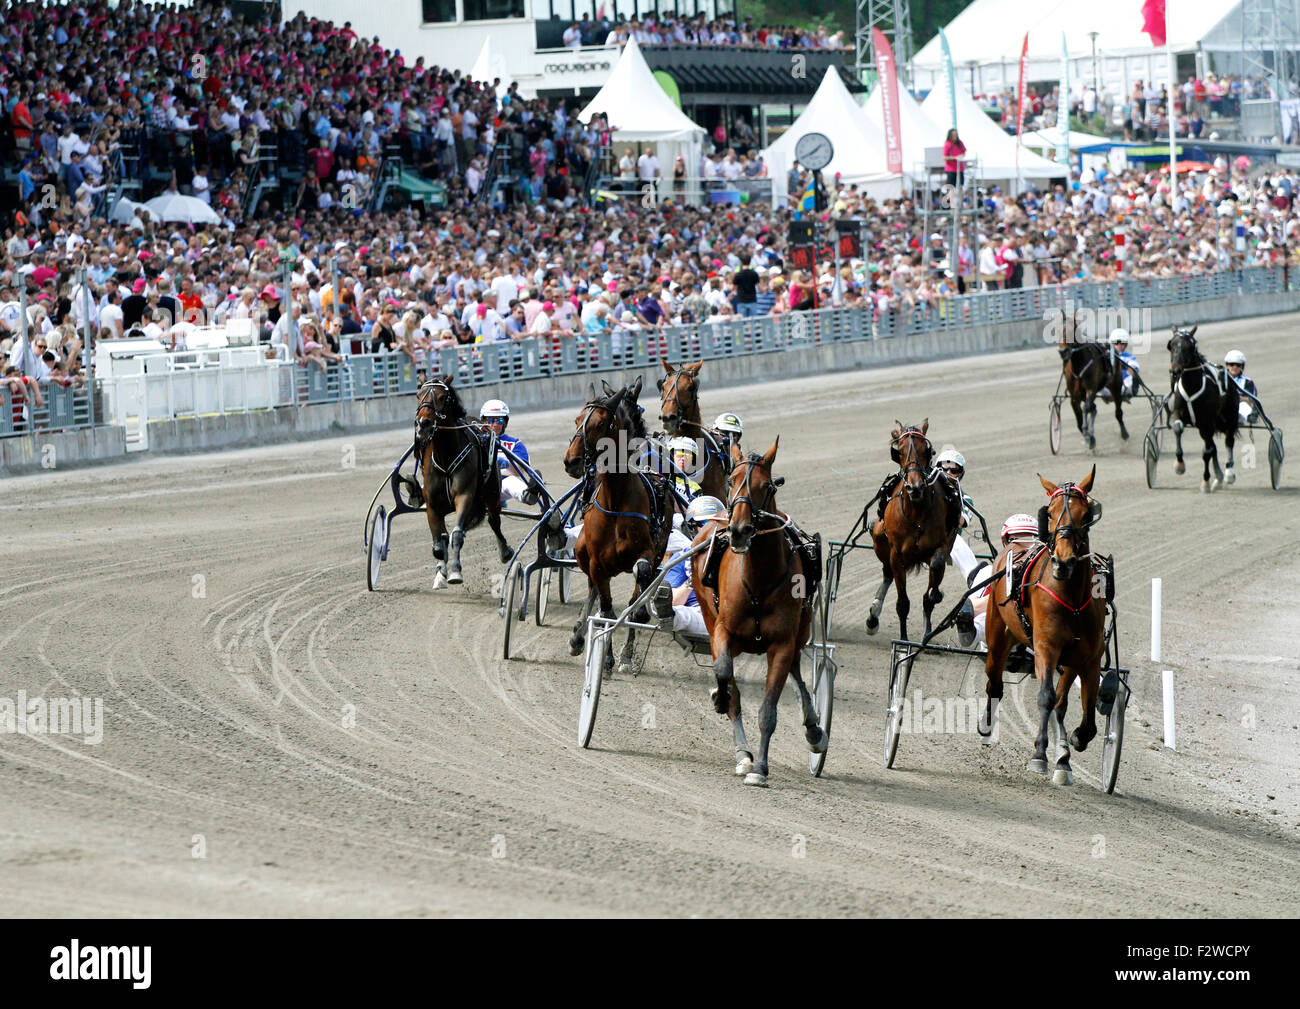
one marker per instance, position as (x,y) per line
(1089,367)
(1053,609)
(918,527)
(679,413)
(625,527)
(1206,398)
(459,475)
(763,605)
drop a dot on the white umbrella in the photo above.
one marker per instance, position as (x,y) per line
(185,209)
(125,210)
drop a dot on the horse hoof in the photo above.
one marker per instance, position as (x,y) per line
(1215,484)
(1077,743)
(744,765)
(1062,776)
(1230,476)
(1180,467)
(756,779)
(1037,766)
(873,625)
(439,582)
(627,669)
(576,646)
(1205,487)
(823,741)
(1123,434)
(720,706)
(455,578)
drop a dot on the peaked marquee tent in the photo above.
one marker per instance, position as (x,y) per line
(918,130)
(490,65)
(859,143)
(639,111)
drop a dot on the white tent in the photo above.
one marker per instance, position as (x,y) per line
(640,111)
(490,65)
(859,144)
(918,130)
(1049,138)
(994,150)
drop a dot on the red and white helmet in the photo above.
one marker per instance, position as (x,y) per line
(1018,526)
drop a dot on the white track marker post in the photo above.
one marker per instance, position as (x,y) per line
(1168,678)
(1155,619)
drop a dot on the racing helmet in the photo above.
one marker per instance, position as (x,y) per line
(1235,357)
(950,456)
(730,423)
(1018,526)
(1119,336)
(704,509)
(682,444)
(496,409)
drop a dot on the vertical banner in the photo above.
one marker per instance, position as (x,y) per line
(1063,111)
(1020,105)
(888,74)
(952,78)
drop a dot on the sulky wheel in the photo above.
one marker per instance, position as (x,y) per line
(1151,456)
(1113,741)
(543,594)
(1275,456)
(593,673)
(1054,426)
(514,597)
(822,687)
(377,548)
(900,669)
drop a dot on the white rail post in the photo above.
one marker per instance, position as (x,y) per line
(1156,592)
(1168,683)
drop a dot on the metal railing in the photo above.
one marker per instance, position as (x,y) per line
(62,409)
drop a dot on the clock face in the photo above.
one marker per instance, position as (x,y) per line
(814,151)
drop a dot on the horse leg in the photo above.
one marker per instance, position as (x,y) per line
(933,596)
(1062,775)
(998,640)
(1075,401)
(464,502)
(881,547)
(1117,391)
(577,640)
(1180,467)
(439,530)
(903,605)
(494,523)
(1089,683)
(726,698)
(1090,408)
(1207,453)
(1231,475)
(1043,670)
(643,572)
(812,732)
(779,659)
(606,610)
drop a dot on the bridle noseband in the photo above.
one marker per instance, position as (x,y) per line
(588,452)
(747,497)
(676,397)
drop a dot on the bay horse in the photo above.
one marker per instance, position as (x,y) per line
(1090,366)
(918,525)
(1206,399)
(458,475)
(1053,609)
(628,518)
(762,605)
(679,413)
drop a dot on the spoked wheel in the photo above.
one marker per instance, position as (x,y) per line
(1151,456)
(900,669)
(1275,456)
(833,570)
(375,555)
(822,686)
(514,603)
(1054,426)
(566,584)
(594,667)
(1114,740)
(543,594)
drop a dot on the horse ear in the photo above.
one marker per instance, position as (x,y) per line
(925,425)
(1194,329)
(737,457)
(668,368)
(693,369)
(1170,345)
(615,401)
(770,456)
(1085,484)
(448,378)
(1048,486)
(606,387)
(591,391)
(1174,329)
(636,387)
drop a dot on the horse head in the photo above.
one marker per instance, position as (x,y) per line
(1183,352)
(437,403)
(1064,522)
(1069,334)
(753,494)
(911,449)
(596,421)
(679,396)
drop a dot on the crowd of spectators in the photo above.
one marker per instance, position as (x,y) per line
(548,267)
(670,30)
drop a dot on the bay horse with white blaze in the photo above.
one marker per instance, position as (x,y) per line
(1053,608)
(458,467)
(1205,398)
(917,527)
(679,413)
(762,604)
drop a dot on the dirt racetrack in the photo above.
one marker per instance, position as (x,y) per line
(217,604)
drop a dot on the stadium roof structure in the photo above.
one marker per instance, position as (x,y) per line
(637,108)
(991,31)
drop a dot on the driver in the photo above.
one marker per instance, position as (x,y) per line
(515,483)
(1128,363)
(727,430)
(1235,362)
(953,463)
(1018,528)
(684,453)
(675,599)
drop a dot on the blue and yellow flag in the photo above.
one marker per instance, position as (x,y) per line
(808,201)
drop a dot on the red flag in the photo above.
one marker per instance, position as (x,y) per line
(1153,20)
(1020,99)
(888,72)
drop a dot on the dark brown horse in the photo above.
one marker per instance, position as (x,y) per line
(1089,366)
(918,526)
(626,525)
(458,476)
(763,605)
(679,413)
(1055,610)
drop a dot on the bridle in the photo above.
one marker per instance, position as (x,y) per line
(747,497)
(1065,525)
(675,395)
(908,464)
(588,451)
(426,430)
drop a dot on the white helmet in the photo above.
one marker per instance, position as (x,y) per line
(1119,336)
(494,408)
(1235,357)
(705,509)
(1019,525)
(949,454)
(682,444)
(729,422)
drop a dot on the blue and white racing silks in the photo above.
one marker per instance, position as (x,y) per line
(514,445)
(1244,382)
(679,575)
(1129,359)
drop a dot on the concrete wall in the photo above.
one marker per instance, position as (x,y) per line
(205,434)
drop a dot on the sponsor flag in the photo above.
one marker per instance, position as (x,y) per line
(1153,20)
(887,71)
(952,78)
(1020,102)
(1063,111)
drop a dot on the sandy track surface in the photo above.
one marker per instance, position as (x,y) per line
(329,751)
